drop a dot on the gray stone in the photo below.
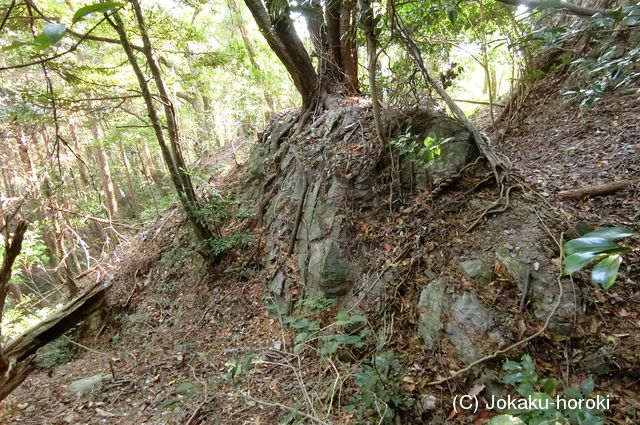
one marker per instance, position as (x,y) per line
(277,288)
(518,270)
(87,385)
(432,302)
(544,293)
(477,270)
(472,314)
(601,362)
(465,348)
(328,268)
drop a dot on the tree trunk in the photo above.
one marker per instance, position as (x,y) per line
(285,43)
(132,198)
(105,172)
(348,46)
(251,52)
(372,52)
(148,163)
(173,159)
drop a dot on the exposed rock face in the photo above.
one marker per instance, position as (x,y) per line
(431,304)
(477,270)
(336,180)
(462,319)
(542,288)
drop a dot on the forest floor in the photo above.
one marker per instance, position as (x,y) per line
(175,330)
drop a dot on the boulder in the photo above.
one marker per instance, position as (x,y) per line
(87,385)
(431,304)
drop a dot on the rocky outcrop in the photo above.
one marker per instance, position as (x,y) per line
(333,165)
(461,319)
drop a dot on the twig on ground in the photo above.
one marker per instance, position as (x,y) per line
(282,406)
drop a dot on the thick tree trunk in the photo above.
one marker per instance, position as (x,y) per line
(285,43)
(348,46)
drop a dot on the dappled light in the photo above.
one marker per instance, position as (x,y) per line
(319,212)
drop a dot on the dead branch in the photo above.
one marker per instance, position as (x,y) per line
(19,351)
(500,165)
(597,190)
(574,9)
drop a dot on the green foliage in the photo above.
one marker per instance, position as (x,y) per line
(610,67)
(422,152)
(239,368)
(50,35)
(347,330)
(601,246)
(380,393)
(225,243)
(217,212)
(523,378)
(95,8)
(57,352)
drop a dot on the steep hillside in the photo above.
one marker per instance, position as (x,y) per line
(422,282)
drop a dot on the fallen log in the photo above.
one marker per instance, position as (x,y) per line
(19,352)
(597,190)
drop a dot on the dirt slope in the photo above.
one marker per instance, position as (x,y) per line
(176,330)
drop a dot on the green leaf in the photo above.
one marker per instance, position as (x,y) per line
(453,15)
(511,365)
(588,386)
(549,385)
(573,393)
(576,262)
(94,8)
(525,389)
(342,318)
(505,420)
(611,233)
(513,378)
(50,35)
(329,347)
(287,319)
(588,244)
(302,337)
(605,271)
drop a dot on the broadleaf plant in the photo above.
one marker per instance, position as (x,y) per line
(599,246)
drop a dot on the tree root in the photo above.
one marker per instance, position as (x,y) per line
(444,184)
(500,165)
(496,207)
